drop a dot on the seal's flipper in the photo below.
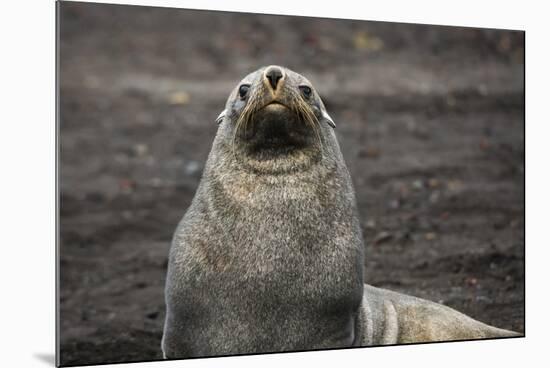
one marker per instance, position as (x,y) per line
(401,319)
(391,324)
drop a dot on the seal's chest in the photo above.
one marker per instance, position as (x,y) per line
(289,231)
(271,193)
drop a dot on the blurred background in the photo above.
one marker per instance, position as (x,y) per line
(430,120)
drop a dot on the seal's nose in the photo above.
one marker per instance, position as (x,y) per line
(273,74)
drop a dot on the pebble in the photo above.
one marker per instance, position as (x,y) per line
(394,204)
(382,237)
(191,168)
(369,152)
(141,149)
(152,315)
(433,183)
(179,98)
(156,182)
(370,224)
(482,298)
(430,236)
(434,197)
(418,184)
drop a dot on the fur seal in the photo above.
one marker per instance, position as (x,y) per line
(269,255)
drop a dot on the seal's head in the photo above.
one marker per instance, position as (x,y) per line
(275,114)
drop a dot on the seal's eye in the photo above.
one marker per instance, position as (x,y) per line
(306,91)
(243,90)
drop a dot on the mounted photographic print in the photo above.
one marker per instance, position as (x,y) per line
(234,183)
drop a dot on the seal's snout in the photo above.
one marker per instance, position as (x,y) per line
(275,112)
(273,75)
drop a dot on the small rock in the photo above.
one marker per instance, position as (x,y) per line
(484,144)
(156,182)
(179,98)
(434,197)
(152,315)
(483,90)
(126,185)
(382,237)
(454,185)
(369,152)
(430,236)
(370,224)
(364,41)
(471,281)
(404,236)
(433,183)
(191,168)
(394,204)
(141,149)
(418,184)
(482,298)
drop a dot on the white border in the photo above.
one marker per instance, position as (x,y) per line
(472,13)
(27,182)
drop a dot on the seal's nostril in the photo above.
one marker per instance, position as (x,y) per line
(273,75)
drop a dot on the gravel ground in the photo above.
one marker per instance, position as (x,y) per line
(430,121)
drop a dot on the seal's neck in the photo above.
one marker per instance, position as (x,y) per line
(273,156)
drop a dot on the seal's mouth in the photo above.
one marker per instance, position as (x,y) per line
(275,106)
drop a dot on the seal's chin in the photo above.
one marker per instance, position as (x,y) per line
(275,127)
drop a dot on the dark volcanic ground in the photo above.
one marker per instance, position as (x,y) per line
(430,121)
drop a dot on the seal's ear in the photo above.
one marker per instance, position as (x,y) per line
(328,119)
(220,117)
(326,116)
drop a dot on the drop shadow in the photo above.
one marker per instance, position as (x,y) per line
(46,358)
